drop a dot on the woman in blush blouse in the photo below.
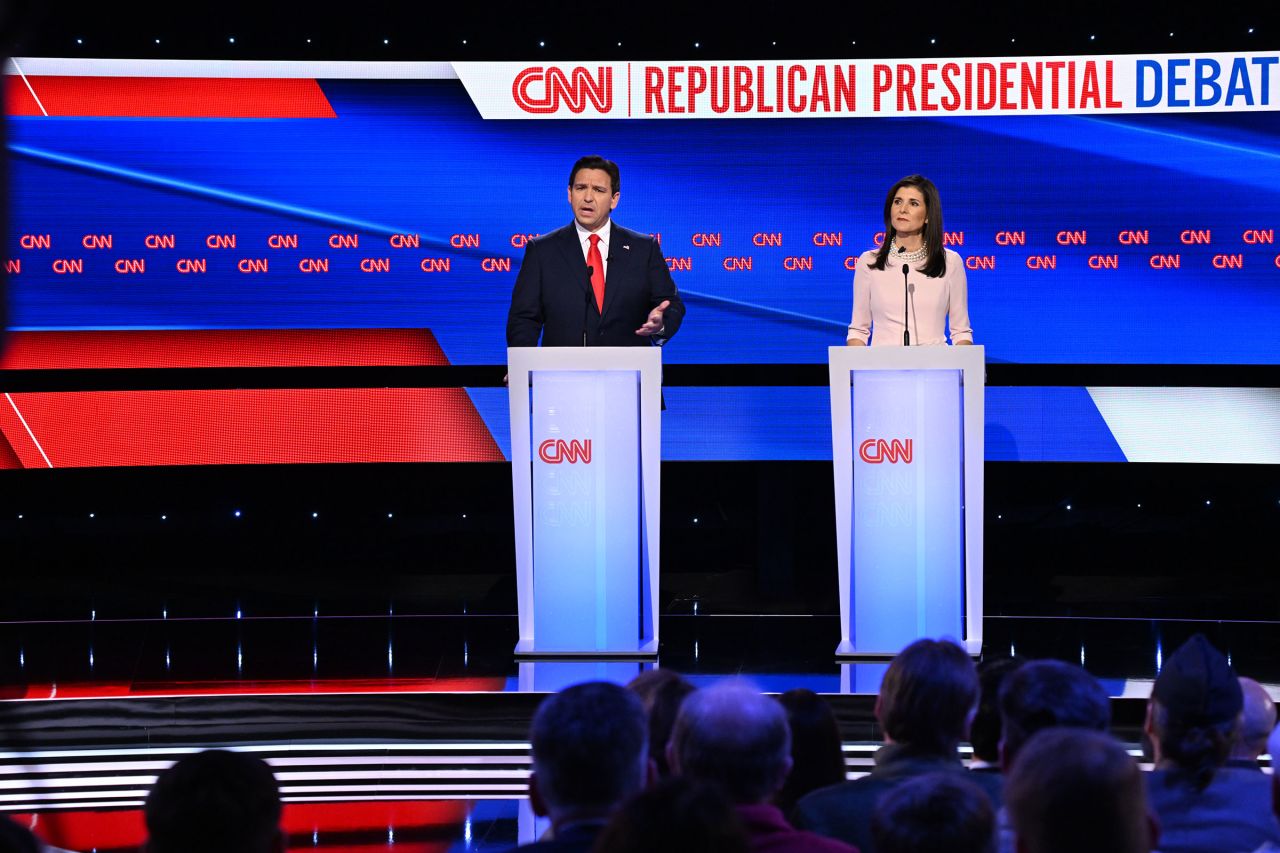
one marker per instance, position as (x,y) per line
(935,287)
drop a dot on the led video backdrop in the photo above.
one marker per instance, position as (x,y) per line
(279,214)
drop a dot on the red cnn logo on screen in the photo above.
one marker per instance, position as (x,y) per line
(541,90)
(553,451)
(877,450)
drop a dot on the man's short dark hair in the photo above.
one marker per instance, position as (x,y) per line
(676,814)
(1072,789)
(590,747)
(935,813)
(1049,693)
(984,734)
(214,801)
(594,161)
(927,695)
(734,736)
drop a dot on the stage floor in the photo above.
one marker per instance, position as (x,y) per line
(409,732)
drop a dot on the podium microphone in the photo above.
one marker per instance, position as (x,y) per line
(906,270)
(586,306)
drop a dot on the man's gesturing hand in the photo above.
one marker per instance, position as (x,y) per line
(653,325)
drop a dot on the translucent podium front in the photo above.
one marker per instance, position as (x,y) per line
(585,479)
(907,451)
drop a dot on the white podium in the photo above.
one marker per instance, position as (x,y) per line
(907,450)
(585,477)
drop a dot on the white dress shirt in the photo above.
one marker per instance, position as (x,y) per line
(584,237)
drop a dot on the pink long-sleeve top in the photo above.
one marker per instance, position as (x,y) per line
(878,298)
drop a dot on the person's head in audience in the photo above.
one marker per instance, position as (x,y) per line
(928,697)
(661,691)
(935,813)
(16,839)
(733,736)
(984,734)
(1045,694)
(1073,790)
(1273,747)
(590,752)
(1194,712)
(1256,721)
(675,814)
(817,756)
(213,802)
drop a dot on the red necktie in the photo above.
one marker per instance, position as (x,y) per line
(597,271)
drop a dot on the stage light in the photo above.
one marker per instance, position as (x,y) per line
(20,516)
(232,40)
(157,41)
(999,517)
(695,519)
(464,41)
(236,513)
(933,41)
(697,44)
(1139,506)
(1207,503)
(315,515)
(1250,30)
(389,515)
(81,41)
(1068,507)
(1170,35)
(308,41)
(92,515)
(1091,38)
(386,41)
(464,515)
(164,518)
(1012,40)
(542,44)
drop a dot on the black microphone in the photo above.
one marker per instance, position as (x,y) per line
(906,270)
(586,306)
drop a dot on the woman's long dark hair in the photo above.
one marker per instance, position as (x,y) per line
(936,264)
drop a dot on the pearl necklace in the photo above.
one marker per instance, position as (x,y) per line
(910,257)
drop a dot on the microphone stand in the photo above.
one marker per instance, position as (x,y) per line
(906,330)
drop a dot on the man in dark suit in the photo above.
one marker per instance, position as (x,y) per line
(590,745)
(593,282)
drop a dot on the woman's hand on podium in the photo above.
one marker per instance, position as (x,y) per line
(855,342)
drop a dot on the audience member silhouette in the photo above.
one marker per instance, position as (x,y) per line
(1193,717)
(1273,747)
(984,734)
(590,753)
(1072,790)
(1257,720)
(1046,694)
(817,755)
(1040,695)
(734,737)
(17,839)
(927,700)
(935,813)
(661,691)
(215,802)
(675,815)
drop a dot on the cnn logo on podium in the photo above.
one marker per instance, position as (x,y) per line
(554,451)
(876,450)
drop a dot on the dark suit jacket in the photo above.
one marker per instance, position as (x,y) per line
(552,297)
(844,810)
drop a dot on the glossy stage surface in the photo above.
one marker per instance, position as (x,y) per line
(409,732)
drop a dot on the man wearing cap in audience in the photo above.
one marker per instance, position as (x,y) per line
(1193,718)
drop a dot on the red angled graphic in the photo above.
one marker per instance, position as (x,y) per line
(73,429)
(166,97)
